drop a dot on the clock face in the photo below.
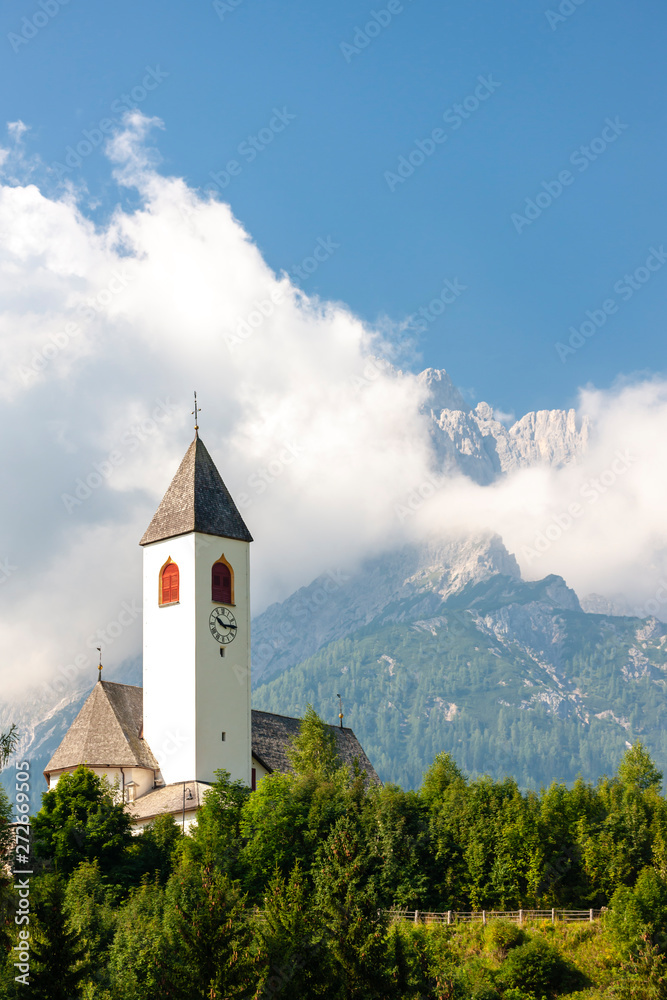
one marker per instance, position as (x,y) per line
(222,625)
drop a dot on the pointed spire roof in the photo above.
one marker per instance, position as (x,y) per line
(107,732)
(197,500)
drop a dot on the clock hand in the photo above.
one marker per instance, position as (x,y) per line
(224,624)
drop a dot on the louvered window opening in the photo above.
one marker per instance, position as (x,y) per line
(169,589)
(221,584)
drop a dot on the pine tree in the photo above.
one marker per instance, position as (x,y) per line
(210,935)
(153,851)
(313,751)
(290,940)
(355,928)
(58,967)
(89,904)
(140,965)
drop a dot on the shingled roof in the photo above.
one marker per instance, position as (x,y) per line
(197,500)
(272,734)
(169,799)
(106,732)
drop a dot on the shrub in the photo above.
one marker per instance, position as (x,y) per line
(639,915)
(535,966)
(484,991)
(503,935)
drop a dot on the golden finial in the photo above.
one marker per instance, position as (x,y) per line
(196,412)
(99,666)
(340,714)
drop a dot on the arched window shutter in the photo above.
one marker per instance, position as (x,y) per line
(169,584)
(221,583)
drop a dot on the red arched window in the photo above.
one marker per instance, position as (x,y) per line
(221,583)
(169,584)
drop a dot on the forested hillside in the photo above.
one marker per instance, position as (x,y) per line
(291,891)
(511,678)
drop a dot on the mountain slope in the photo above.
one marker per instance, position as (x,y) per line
(511,678)
(412,580)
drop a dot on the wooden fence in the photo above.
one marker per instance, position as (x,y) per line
(483,916)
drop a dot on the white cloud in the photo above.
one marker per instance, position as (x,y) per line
(104,332)
(599,522)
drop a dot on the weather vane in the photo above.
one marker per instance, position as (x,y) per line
(196,411)
(99,650)
(340,714)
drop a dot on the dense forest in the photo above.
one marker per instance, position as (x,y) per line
(288,891)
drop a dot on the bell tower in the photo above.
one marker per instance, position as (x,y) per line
(196,608)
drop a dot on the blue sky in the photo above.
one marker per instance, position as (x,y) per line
(323,175)
(470,180)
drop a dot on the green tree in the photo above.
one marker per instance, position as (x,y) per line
(210,936)
(538,966)
(154,850)
(90,907)
(408,962)
(6,894)
(284,822)
(619,840)
(437,781)
(58,967)
(557,876)
(313,751)
(483,840)
(217,837)
(290,940)
(81,821)
(140,956)
(638,915)
(637,769)
(355,927)
(396,828)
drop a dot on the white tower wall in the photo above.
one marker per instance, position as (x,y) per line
(192,695)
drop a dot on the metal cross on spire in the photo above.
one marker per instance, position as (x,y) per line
(99,667)
(196,412)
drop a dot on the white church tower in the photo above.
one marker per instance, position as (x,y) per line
(196,701)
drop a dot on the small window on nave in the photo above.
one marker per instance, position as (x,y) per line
(222,583)
(169,578)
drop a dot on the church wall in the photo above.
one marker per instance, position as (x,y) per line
(190,818)
(260,771)
(144,779)
(141,775)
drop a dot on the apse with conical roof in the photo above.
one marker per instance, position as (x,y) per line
(197,627)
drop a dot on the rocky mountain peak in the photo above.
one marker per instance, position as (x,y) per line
(478,445)
(443,394)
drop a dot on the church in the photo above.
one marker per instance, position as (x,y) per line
(162,743)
